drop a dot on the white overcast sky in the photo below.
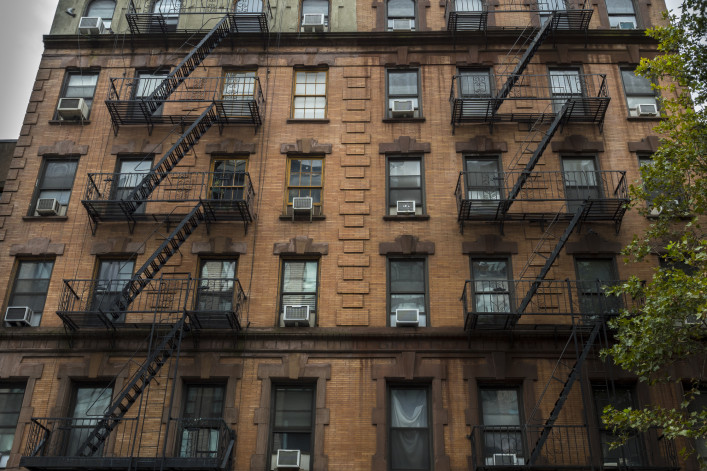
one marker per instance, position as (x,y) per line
(22,24)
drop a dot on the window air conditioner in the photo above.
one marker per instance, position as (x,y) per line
(91,25)
(47,207)
(18,315)
(288,459)
(407,317)
(405,207)
(505,459)
(313,22)
(647,109)
(402,25)
(295,316)
(627,25)
(657,210)
(403,109)
(72,108)
(302,203)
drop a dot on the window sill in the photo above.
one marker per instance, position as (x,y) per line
(644,118)
(403,120)
(307,121)
(45,218)
(286,217)
(416,217)
(72,122)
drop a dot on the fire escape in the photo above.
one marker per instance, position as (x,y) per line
(560,202)
(125,435)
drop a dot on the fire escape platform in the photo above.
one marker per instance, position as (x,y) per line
(68,463)
(465,15)
(255,19)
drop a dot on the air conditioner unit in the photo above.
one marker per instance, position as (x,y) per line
(288,459)
(302,203)
(313,22)
(405,207)
(407,317)
(627,25)
(505,459)
(647,109)
(18,315)
(403,109)
(47,207)
(91,25)
(657,210)
(402,25)
(295,316)
(72,108)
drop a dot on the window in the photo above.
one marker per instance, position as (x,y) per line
(546,7)
(581,181)
(200,429)
(228,179)
(248,6)
(475,88)
(622,15)
(169,10)
(216,284)
(315,15)
(89,403)
(640,97)
(632,453)
(305,178)
(11,396)
(593,274)
(309,101)
(492,291)
(468,5)
(484,184)
(299,287)
(409,439)
(407,291)
(238,91)
(102,9)
(112,278)
(501,418)
(565,84)
(131,171)
(147,83)
(55,182)
(292,423)
(697,405)
(403,94)
(77,85)
(405,186)
(31,285)
(401,15)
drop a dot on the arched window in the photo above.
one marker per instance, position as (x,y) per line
(102,9)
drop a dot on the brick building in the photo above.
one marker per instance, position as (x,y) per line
(325,236)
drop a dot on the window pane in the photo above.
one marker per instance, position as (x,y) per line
(500,407)
(564,82)
(401,8)
(592,270)
(407,276)
(59,175)
(315,6)
(409,449)
(635,85)
(619,7)
(475,84)
(402,83)
(300,276)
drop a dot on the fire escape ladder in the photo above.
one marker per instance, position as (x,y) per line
(130,393)
(170,160)
(195,57)
(574,373)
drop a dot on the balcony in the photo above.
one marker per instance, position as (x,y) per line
(246,16)
(532,98)
(483,196)
(237,99)
(498,304)
(210,303)
(567,447)
(194,444)
(227,196)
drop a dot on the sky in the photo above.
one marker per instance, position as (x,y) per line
(21,58)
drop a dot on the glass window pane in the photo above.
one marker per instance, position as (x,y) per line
(500,407)
(619,7)
(402,83)
(300,277)
(407,276)
(636,85)
(401,8)
(59,174)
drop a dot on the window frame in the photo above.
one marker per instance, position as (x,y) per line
(119,188)
(605,435)
(97,302)
(396,386)
(170,15)
(107,24)
(417,112)
(519,397)
(88,421)
(218,192)
(220,283)
(482,206)
(509,279)
(10,430)
(274,429)
(327,16)
(391,207)
(559,99)
(390,19)
(66,84)
(313,317)
(197,416)
(573,206)
(610,15)
(36,315)
(317,206)
(295,95)
(424,316)
(652,99)
(38,187)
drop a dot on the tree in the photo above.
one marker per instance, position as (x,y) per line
(670,327)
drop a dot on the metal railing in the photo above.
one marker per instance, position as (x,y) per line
(144,19)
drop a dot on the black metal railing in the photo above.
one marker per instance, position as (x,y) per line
(217,303)
(494,304)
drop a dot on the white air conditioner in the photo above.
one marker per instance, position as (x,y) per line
(313,22)
(18,315)
(402,25)
(627,25)
(47,207)
(91,25)
(647,109)
(288,459)
(657,210)
(296,316)
(302,203)
(407,317)
(405,207)
(72,108)
(505,459)
(403,109)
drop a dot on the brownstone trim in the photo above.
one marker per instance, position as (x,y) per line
(63,148)
(481,145)
(230,146)
(118,245)
(300,245)
(646,145)
(577,144)
(490,244)
(404,145)
(414,369)
(219,245)
(305,146)
(593,243)
(37,246)
(294,367)
(137,147)
(407,245)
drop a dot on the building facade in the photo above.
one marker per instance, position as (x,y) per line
(326,235)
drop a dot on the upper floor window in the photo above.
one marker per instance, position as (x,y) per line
(622,14)
(102,9)
(484,183)
(492,290)
(88,405)
(594,275)
(239,88)
(130,171)
(216,286)
(407,292)
(410,438)
(632,453)
(305,179)
(400,15)
(315,15)
(248,6)
(546,7)
(30,286)
(292,427)
(565,84)
(403,91)
(145,85)
(54,188)
(405,186)
(640,97)
(502,438)
(200,421)
(11,396)
(76,95)
(228,179)
(697,405)
(309,100)
(169,10)
(581,181)
(298,292)
(113,274)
